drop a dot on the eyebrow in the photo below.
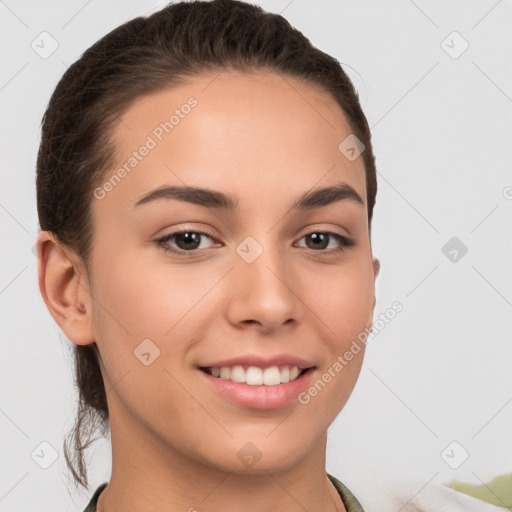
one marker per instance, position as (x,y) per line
(213,199)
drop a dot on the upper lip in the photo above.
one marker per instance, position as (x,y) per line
(262,362)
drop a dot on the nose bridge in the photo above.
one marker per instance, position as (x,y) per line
(261,261)
(264,281)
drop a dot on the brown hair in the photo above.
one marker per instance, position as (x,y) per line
(142,56)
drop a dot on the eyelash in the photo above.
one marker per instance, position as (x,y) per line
(346,242)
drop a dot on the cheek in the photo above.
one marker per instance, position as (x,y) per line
(146,299)
(343,301)
(141,299)
(137,302)
(343,307)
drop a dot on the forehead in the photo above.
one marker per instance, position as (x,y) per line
(249,133)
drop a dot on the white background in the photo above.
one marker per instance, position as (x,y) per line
(442,127)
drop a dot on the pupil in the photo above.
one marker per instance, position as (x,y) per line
(319,237)
(320,240)
(189,238)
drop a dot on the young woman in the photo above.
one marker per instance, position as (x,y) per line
(205,188)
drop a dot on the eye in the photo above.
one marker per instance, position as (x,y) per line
(189,241)
(320,240)
(185,239)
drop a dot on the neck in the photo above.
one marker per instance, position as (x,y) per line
(148,474)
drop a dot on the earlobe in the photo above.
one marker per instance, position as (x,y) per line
(64,289)
(376,270)
(376,267)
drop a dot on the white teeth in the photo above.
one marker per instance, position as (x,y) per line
(225,372)
(255,376)
(237,374)
(272,376)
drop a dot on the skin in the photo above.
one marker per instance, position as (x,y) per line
(174,440)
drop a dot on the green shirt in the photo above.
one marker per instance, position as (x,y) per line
(349,500)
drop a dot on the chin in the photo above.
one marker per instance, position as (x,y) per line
(262,456)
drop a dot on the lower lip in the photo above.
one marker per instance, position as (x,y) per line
(259,397)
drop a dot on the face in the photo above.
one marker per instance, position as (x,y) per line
(255,272)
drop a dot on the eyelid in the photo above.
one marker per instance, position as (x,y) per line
(323,228)
(345,241)
(163,240)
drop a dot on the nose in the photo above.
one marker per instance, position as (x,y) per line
(265,293)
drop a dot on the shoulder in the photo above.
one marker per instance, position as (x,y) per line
(349,500)
(389,494)
(91,506)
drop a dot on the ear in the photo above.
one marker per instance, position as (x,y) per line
(64,286)
(376,267)
(376,270)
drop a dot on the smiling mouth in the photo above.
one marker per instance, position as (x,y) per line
(255,376)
